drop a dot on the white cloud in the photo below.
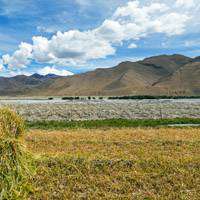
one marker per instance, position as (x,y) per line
(171,24)
(139,21)
(20,58)
(133,10)
(70,48)
(185,3)
(111,31)
(53,70)
(18,72)
(133,21)
(79,46)
(1,65)
(132,46)
(41,51)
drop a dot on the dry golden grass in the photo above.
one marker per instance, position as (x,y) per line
(125,163)
(115,143)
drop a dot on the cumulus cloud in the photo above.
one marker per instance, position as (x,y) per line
(76,45)
(70,47)
(140,21)
(52,70)
(171,24)
(132,21)
(20,58)
(41,51)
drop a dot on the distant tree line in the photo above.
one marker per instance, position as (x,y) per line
(153,97)
(70,98)
(81,98)
(137,97)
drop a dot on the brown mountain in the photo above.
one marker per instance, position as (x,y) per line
(185,81)
(159,75)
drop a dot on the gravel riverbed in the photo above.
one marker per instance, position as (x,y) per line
(33,110)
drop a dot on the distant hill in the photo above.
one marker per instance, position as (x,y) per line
(159,75)
(21,84)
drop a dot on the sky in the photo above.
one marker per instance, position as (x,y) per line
(66,37)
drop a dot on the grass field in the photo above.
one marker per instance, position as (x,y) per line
(125,163)
(109,123)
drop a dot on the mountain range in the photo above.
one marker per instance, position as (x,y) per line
(159,75)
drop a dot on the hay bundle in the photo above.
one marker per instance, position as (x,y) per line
(14,161)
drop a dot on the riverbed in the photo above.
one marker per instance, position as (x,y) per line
(58,109)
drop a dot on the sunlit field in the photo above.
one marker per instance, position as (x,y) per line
(125,163)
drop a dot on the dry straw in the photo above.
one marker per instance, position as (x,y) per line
(14,161)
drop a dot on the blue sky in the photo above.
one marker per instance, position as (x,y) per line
(73,36)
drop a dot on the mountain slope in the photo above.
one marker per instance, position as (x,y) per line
(185,81)
(159,75)
(128,78)
(169,63)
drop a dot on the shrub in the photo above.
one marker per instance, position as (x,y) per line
(70,98)
(15,163)
(67,98)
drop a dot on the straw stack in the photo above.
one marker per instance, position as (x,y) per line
(14,161)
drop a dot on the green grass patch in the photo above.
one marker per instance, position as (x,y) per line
(112,123)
